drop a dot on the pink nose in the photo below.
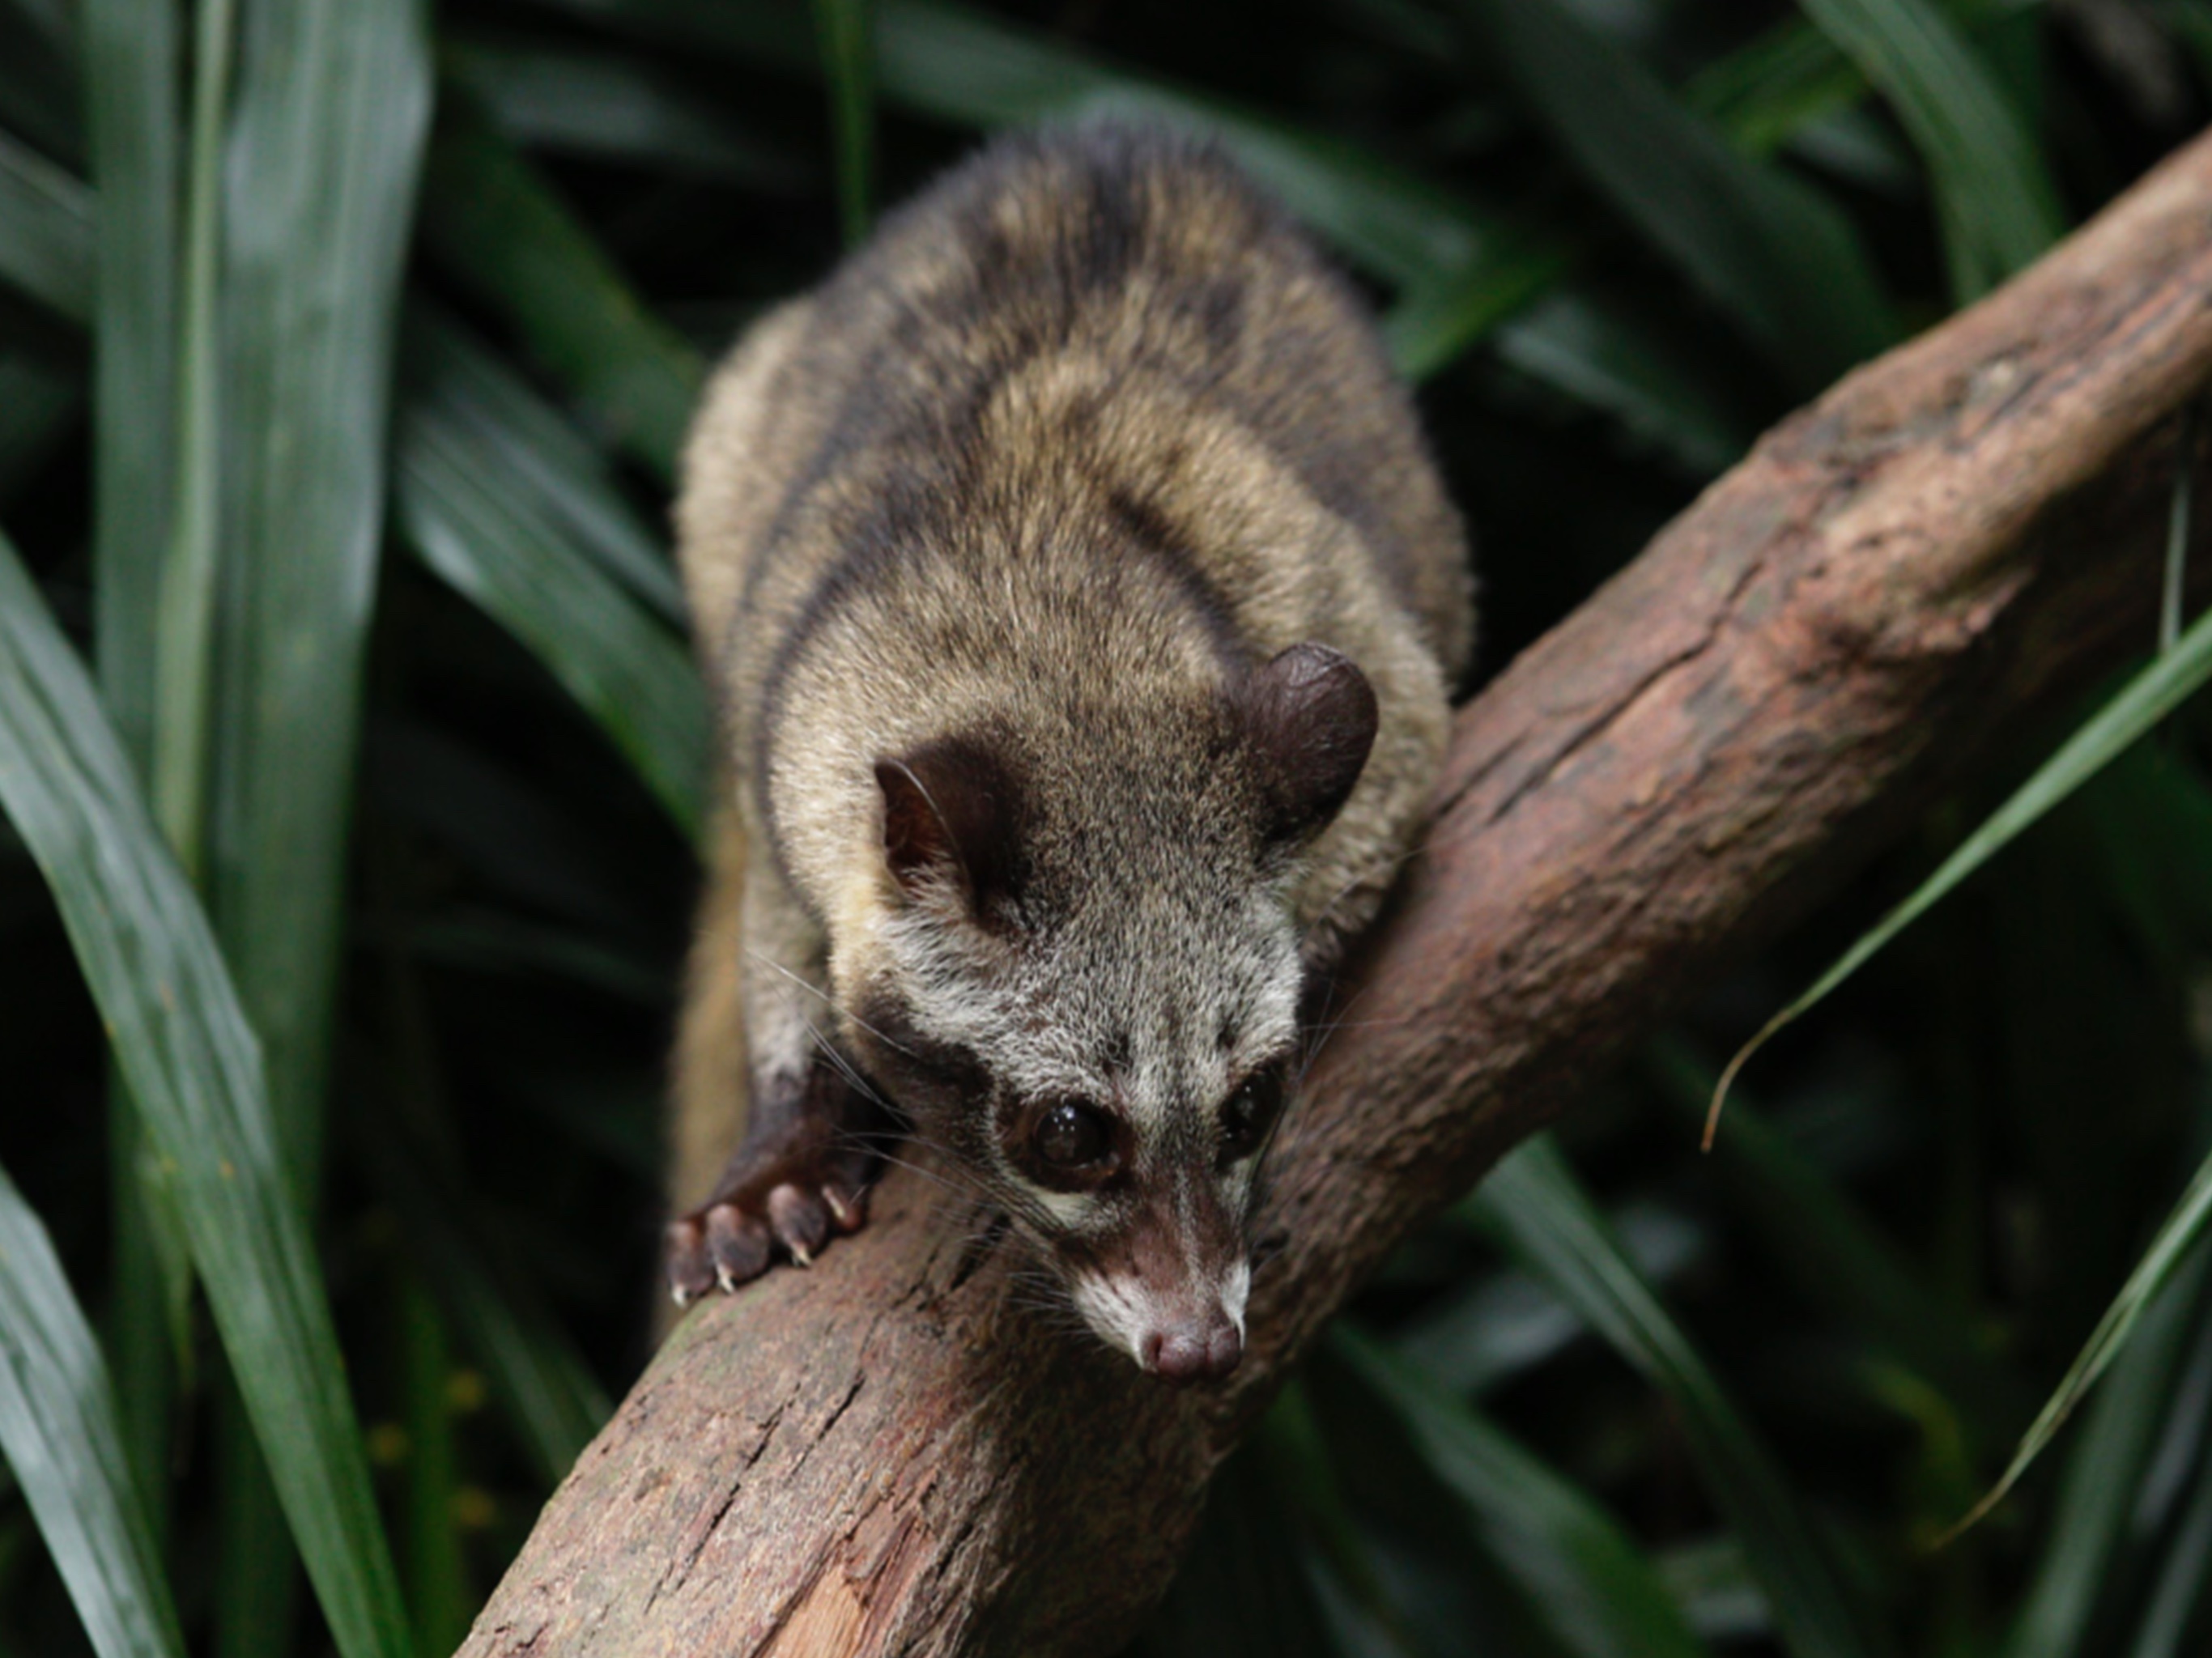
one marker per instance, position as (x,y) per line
(1203,1349)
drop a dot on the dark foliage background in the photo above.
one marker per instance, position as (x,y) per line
(1625,1399)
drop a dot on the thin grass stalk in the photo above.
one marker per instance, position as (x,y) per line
(847,31)
(2148,699)
(131,60)
(186,648)
(2177,531)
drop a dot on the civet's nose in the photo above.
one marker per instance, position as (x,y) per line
(1203,1350)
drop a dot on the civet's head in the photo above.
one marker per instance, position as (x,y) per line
(1086,976)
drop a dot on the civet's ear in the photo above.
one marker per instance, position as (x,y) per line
(951,825)
(1308,720)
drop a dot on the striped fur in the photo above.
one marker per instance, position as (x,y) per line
(1085,437)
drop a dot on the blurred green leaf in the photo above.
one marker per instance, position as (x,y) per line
(2152,813)
(482,522)
(1582,1575)
(194,1068)
(59,1429)
(615,107)
(2100,1493)
(2167,1259)
(1243,1588)
(1821,1238)
(847,31)
(333,105)
(132,57)
(46,231)
(502,233)
(545,460)
(130,64)
(37,93)
(1773,254)
(1541,1217)
(2147,698)
(1999,207)
(2181,1578)
(1505,1324)
(184,620)
(965,66)
(437,1575)
(1570,341)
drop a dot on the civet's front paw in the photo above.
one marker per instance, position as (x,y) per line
(788,1192)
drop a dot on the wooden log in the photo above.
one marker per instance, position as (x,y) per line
(891,1453)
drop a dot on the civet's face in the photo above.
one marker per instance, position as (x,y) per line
(1116,1101)
(1086,986)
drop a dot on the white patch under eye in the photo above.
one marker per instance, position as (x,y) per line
(1076,1211)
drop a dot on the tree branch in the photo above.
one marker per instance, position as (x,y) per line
(884,1455)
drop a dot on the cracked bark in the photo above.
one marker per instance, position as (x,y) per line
(882,1455)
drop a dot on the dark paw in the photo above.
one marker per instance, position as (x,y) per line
(790,1194)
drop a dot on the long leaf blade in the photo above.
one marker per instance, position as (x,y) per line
(2165,1257)
(500,229)
(59,1429)
(2000,208)
(2147,698)
(194,1068)
(480,525)
(46,231)
(1545,1221)
(1776,257)
(1586,1578)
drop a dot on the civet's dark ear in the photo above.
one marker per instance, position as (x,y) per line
(951,825)
(1308,720)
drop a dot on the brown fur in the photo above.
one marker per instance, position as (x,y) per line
(1084,437)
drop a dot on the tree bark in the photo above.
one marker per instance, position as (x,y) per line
(890,1455)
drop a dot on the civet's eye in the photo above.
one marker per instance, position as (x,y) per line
(1248,1113)
(1072,1137)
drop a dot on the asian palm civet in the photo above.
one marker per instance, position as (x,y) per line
(1082,606)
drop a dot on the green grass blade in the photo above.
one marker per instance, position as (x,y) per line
(549,463)
(1542,1218)
(1583,1574)
(961,65)
(46,231)
(132,57)
(1502,1325)
(1777,257)
(971,68)
(192,1064)
(2182,1579)
(1573,342)
(2099,1494)
(132,52)
(38,96)
(1999,207)
(256,1594)
(437,1575)
(2168,1256)
(499,229)
(1838,1255)
(848,30)
(595,103)
(2147,698)
(59,1430)
(333,108)
(479,522)
(183,634)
